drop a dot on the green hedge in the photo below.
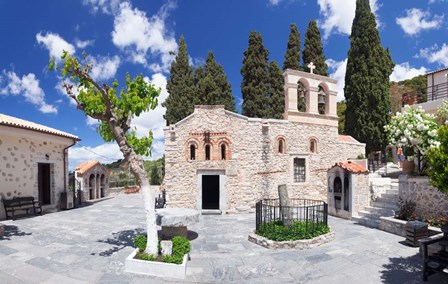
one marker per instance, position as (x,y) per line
(181,246)
(299,230)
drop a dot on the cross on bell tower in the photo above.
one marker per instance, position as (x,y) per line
(312,67)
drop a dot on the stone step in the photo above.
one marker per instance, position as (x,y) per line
(380,211)
(211,212)
(387,199)
(366,222)
(392,191)
(385,205)
(369,215)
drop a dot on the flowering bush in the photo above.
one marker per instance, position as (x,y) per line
(442,112)
(413,129)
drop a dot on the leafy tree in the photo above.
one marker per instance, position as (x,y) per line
(341,107)
(366,88)
(313,50)
(276,91)
(254,86)
(181,100)
(292,55)
(155,177)
(212,87)
(438,161)
(115,109)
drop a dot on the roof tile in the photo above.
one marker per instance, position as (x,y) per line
(351,167)
(20,123)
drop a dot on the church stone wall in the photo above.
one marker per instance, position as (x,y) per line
(255,168)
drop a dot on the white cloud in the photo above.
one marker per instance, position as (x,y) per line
(55,44)
(436,1)
(105,153)
(338,74)
(103,67)
(92,121)
(404,71)
(274,2)
(417,20)
(106,6)
(136,34)
(28,87)
(435,55)
(339,17)
(83,43)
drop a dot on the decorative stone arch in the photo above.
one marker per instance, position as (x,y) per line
(303,90)
(281,146)
(313,145)
(323,98)
(92,182)
(225,153)
(191,149)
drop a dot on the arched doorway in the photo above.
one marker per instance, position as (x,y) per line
(337,192)
(91,186)
(103,185)
(346,194)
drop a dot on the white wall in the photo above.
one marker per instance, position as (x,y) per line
(20,152)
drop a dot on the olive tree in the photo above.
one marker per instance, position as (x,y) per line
(115,109)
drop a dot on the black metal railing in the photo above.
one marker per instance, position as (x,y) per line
(313,214)
(430,93)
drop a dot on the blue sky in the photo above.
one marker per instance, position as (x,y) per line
(137,36)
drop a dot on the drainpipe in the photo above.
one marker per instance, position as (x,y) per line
(64,155)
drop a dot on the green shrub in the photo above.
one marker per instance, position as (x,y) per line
(145,256)
(407,210)
(174,258)
(140,242)
(299,230)
(360,157)
(438,161)
(181,245)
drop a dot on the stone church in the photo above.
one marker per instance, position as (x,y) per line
(220,160)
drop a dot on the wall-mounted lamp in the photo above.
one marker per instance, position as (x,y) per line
(47,156)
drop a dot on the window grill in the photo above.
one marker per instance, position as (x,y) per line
(299,170)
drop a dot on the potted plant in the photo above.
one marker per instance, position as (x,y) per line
(416,132)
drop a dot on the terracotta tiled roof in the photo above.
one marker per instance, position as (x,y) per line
(351,167)
(84,167)
(20,123)
(347,138)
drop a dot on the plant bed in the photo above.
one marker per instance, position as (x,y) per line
(155,268)
(174,265)
(133,189)
(292,244)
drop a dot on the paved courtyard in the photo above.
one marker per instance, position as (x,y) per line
(89,245)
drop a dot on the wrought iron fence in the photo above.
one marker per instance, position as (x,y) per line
(312,214)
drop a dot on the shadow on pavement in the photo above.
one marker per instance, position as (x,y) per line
(120,240)
(12,231)
(407,270)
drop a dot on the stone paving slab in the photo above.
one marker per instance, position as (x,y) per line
(89,245)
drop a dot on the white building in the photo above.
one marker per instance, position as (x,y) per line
(34,161)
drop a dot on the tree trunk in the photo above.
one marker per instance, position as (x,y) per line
(138,169)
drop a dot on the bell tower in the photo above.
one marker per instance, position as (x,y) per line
(310,98)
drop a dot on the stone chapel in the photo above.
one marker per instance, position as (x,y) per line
(219,160)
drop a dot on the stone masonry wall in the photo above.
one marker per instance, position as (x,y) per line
(255,168)
(20,154)
(431,204)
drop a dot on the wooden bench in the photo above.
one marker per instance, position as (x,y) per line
(435,257)
(21,207)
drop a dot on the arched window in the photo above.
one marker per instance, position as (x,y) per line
(223,151)
(301,97)
(192,152)
(321,100)
(207,152)
(281,145)
(313,146)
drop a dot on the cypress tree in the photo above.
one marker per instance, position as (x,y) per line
(180,102)
(254,86)
(366,88)
(313,50)
(155,177)
(277,96)
(212,85)
(292,55)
